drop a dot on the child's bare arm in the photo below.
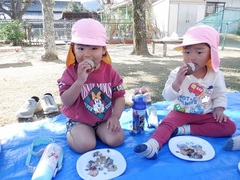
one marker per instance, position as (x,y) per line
(113,123)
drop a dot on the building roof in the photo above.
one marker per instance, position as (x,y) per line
(35,10)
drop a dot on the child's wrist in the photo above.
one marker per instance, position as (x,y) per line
(219,109)
(176,86)
(115,116)
(79,83)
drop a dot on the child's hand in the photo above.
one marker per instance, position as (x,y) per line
(180,77)
(82,71)
(219,115)
(113,124)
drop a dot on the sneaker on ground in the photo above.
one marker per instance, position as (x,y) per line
(48,104)
(28,108)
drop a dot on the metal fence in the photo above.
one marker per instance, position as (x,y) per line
(229,31)
(33,30)
(227,22)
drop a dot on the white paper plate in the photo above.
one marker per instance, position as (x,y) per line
(118,160)
(191,148)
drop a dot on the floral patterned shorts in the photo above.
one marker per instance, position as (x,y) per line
(70,123)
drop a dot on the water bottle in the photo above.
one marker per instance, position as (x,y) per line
(138,114)
(46,168)
(152,118)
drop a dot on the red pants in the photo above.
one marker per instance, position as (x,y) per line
(200,125)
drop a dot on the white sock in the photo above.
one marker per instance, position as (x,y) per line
(232,144)
(148,150)
(185,129)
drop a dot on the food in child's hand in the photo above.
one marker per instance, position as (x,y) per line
(91,63)
(191,68)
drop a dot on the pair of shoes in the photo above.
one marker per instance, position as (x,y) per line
(48,104)
(32,105)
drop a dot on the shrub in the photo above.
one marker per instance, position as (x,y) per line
(12,32)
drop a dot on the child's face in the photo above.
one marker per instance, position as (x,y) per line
(198,54)
(83,52)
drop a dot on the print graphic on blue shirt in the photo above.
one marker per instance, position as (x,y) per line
(97,102)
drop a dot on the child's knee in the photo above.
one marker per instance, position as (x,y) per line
(232,128)
(80,145)
(115,140)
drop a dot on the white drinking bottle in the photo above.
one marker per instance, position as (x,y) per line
(50,162)
(47,166)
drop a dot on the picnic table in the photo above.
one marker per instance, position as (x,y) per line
(165,42)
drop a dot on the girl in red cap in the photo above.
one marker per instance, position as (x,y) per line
(198,95)
(91,90)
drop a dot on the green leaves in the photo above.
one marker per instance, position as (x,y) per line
(12,31)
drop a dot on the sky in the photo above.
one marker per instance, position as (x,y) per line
(91,5)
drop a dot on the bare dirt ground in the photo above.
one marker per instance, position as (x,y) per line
(23,74)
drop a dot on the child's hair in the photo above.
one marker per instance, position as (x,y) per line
(87,31)
(203,34)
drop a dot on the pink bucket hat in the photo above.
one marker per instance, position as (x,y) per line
(203,34)
(88,32)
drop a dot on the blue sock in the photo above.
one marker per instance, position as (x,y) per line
(148,150)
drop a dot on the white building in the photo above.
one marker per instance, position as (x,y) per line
(179,15)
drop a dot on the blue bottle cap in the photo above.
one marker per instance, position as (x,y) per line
(139,102)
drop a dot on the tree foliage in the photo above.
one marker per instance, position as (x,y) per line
(15,9)
(75,7)
(12,32)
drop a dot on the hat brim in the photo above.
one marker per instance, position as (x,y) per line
(184,44)
(88,41)
(215,60)
(71,57)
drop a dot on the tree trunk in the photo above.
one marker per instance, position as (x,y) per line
(139,18)
(48,31)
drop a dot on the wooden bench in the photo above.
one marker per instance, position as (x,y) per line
(10,48)
(165,42)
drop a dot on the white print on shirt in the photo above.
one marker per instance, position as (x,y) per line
(61,84)
(104,87)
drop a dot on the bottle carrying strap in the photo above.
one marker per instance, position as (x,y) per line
(38,142)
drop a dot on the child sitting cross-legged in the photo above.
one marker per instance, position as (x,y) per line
(198,98)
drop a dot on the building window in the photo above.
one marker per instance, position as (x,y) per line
(213,7)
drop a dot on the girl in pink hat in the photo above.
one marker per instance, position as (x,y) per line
(197,91)
(91,90)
